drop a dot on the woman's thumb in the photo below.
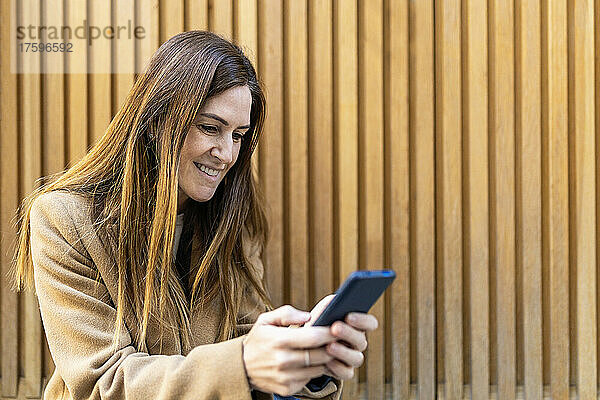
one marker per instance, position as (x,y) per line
(283,316)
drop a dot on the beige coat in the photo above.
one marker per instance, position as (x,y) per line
(78,317)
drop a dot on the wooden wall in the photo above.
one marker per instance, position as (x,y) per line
(453,141)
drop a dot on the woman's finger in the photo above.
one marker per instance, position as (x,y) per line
(340,370)
(329,372)
(350,357)
(355,338)
(283,316)
(305,337)
(318,356)
(318,309)
(362,321)
(306,358)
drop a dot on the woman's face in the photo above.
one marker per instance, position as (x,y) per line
(212,144)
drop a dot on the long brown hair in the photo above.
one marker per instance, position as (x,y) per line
(131,177)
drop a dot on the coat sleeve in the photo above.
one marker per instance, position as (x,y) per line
(333,389)
(78,320)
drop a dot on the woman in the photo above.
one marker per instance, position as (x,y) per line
(145,255)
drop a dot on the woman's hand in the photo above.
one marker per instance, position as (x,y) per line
(275,355)
(347,351)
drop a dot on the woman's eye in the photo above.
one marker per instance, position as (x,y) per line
(237,136)
(209,128)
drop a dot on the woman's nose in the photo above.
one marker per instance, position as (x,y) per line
(223,149)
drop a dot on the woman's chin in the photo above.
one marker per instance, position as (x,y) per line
(203,196)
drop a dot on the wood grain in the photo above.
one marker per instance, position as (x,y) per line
(296,150)
(76,104)
(245,23)
(529,189)
(320,148)
(270,54)
(99,78)
(555,207)
(397,213)
(345,143)
(124,52)
(147,16)
(448,152)
(172,18)
(422,166)
(371,162)
(476,198)
(9,201)
(502,193)
(582,194)
(196,15)
(220,17)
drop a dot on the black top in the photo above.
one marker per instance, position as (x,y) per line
(184,253)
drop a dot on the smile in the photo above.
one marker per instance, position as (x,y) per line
(206,170)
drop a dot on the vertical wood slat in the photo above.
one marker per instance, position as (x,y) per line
(9,200)
(76,86)
(220,17)
(171,18)
(528,179)
(371,235)
(245,31)
(448,194)
(397,191)
(422,191)
(596,24)
(582,202)
(270,54)
(124,62)
(196,15)
(345,142)
(320,148)
(99,78)
(296,157)
(555,185)
(147,15)
(502,190)
(246,28)
(31,170)
(53,101)
(476,188)
(245,23)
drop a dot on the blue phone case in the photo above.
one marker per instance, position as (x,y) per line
(357,294)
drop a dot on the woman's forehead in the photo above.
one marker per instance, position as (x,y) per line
(231,107)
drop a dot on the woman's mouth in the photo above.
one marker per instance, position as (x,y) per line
(208,171)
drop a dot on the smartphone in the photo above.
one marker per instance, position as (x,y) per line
(357,294)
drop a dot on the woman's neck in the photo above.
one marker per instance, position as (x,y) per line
(182,200)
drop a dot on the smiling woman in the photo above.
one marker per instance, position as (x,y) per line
(213,143)
(146,254)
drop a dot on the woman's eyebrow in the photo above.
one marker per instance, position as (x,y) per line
(221,120)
